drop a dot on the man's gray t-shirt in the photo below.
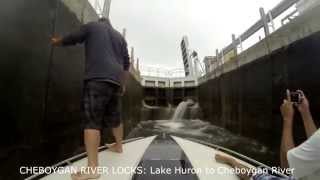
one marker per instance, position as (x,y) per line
(105,51)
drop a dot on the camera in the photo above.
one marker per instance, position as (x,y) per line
(296,97)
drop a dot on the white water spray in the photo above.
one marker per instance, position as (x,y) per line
(181,109)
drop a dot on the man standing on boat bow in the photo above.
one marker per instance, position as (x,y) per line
(106,71)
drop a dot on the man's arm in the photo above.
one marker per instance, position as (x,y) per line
(126,66)
(234,164)
(304,110)
(126,57)
(287,142)
(245,172)
(71,39)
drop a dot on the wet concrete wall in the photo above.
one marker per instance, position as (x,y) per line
(247,100)
(163,97)
(156,113)
(41,87)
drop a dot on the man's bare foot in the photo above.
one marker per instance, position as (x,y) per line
(84,176)
(115,148)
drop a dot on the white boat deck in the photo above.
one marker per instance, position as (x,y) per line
(132,153)
(202,157)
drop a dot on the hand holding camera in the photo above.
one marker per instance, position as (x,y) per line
(298,99)
(303,105)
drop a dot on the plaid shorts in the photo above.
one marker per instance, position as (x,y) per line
(101,105)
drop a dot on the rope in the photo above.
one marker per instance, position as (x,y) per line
(48,79)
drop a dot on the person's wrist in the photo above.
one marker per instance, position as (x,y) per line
(287,122)
(305,113)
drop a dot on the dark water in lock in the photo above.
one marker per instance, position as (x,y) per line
(207,132)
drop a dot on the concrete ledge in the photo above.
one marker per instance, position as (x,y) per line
(82,9)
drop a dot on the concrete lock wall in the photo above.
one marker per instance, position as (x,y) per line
(29,136)
(247,100)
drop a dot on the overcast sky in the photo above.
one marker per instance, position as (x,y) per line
(155,27)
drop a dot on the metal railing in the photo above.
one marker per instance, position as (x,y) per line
(263,22)
(162,72)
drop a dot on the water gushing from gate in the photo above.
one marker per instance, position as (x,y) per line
(181,109)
